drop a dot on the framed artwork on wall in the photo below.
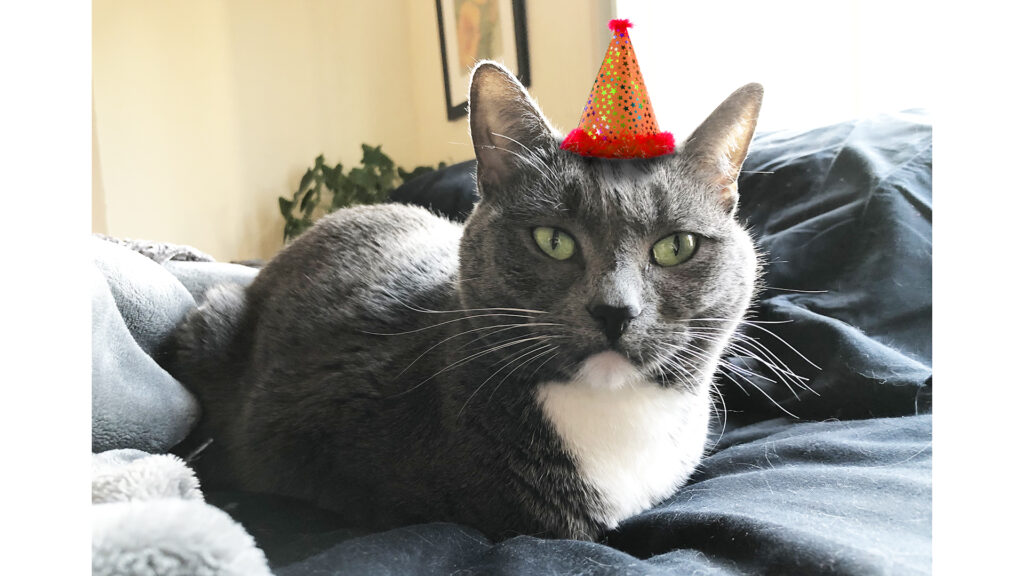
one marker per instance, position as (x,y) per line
(472,30)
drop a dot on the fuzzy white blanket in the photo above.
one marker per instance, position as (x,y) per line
(149,519)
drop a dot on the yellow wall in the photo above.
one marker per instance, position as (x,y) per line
(206,111)
(99,197)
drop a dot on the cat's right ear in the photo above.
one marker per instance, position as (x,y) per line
(717,148)
(505,124)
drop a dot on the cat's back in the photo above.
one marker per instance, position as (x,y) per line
(356,272)
(366,267)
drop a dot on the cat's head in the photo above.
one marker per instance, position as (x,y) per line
(612,262)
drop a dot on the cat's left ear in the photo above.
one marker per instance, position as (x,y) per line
(505,124)
(717,148)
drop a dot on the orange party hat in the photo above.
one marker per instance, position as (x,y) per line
(618,121)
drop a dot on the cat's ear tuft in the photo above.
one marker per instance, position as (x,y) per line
(505,124)
(717,148)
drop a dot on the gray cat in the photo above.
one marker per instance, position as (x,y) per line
(544,369)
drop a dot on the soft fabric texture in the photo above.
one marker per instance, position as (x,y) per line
(844,212)
(135,402)
(160,252)
(198,277)
(126,475)
(136,304)
(149,519)
(843,217)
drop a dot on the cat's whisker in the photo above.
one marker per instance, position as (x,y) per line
(659,369)
(759,389)
(463,333)
(712,331)
(526,362)
(444,323)
(544,337)
(554,353)
(721,362)
(795,290)
(783,377)
(761,347)
(730,349)
(724,417)
(757,325)
(470,358)
(682,372)
(505,328)
(778,367)
(723,372)
(520,354)
(690,372)
(772,361)
(429,311)
(725,368)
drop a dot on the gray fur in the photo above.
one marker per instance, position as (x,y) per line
(344,374)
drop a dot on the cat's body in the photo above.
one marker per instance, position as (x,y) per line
(399,368)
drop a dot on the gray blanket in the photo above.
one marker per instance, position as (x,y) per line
(149,517)
(136,304)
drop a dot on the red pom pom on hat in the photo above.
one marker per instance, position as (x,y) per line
(619,25)
(636,146)
(618,120)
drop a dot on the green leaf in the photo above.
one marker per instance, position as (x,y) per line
(285,206)
(335,175)
(307,202)
(343,195)
(372,156)
(306,178)
(366,184)
(360,178)
(290,229)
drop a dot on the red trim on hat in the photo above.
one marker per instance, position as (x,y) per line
(630,146)
(619,25)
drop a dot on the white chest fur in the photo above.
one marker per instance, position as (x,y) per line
(634,442)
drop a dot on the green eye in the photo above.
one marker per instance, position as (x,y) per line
(674,249)
(554,242)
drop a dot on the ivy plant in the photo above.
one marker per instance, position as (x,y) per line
(324,188)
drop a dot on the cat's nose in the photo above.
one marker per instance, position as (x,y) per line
(614,320)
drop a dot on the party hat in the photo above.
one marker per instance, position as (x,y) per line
(618,121)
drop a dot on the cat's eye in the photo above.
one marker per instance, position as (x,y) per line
(674,249)
(554,242)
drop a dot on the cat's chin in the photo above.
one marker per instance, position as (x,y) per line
(608,370)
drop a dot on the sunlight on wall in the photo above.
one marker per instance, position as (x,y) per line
(207,110)
(819,62)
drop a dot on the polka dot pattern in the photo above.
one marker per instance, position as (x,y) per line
(618,112)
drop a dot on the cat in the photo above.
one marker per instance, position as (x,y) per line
(543,369)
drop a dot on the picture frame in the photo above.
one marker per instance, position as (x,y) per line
(472,30)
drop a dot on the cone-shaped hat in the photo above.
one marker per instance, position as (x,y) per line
(618,121)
